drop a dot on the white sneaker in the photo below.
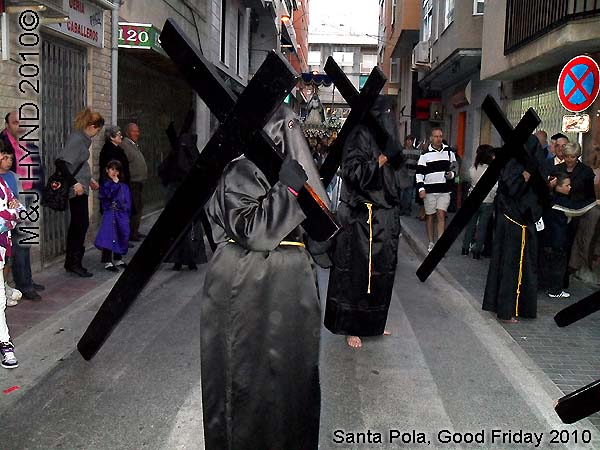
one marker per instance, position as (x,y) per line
(562,294)
(430,246)
(12,293)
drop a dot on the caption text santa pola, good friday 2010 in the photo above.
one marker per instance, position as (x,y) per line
(482,437)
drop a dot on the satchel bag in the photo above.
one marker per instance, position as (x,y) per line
(55,194)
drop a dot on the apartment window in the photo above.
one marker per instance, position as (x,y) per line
(427,19)
(394,70)
(344,58)
(394,6)
(478,7)
(314,58)
(367,63)
(449,17)
(223,30)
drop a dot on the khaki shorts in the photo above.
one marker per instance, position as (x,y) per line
(433,202)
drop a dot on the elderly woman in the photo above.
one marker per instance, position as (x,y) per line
(111,151)
(581,229)
(73,160)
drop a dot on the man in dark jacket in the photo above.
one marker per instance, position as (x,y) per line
(364,261)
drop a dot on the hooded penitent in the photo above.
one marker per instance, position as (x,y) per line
(364,261)
(260,320)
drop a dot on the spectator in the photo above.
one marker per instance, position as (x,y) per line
(9,209)
(480,221)
(405,176)
(112,151)
(23,175)
(555,239)
(435,169)
(113,234)
(139,175)
(542,136)
(20,254)
(74,157)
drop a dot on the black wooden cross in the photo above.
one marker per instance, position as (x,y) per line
(262,151)
(514,142)
(361,105)
(584,401)
(241,122)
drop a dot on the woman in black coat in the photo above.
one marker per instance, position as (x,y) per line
(111,151)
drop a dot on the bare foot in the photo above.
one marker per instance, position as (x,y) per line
(353,341)
(387,333)
(512,320)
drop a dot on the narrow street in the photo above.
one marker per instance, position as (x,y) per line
(447,366)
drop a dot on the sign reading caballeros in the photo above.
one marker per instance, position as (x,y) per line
(86,22)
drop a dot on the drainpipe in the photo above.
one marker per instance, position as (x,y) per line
(114,60)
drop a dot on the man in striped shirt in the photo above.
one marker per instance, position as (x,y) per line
(436,166)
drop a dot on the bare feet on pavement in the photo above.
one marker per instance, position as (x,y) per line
(353,341)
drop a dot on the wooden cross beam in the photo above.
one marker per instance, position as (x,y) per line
(514,142)
(361,105)
(244,120)
(262,151)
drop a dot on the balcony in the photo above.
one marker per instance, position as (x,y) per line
(527,20)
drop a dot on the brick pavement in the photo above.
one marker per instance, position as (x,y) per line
(569,356)
(62,288)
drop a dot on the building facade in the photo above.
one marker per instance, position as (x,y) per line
(528,50)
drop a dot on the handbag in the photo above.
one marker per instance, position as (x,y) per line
(55,194)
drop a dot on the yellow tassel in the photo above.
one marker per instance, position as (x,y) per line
(523,232)
(370,222)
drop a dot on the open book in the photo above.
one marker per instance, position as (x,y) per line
(570,212)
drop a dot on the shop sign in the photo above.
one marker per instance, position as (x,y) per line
(86,22)
(139,35)
(576,123)
(579,84)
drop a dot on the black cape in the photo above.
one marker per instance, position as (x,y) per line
(512,281)
(260,315)
(365,255)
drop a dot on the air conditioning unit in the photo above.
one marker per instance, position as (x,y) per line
(436,112)
(420,55)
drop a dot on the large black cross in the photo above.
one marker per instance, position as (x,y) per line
(514,147)
(361,105)
(584,401)
(241,123)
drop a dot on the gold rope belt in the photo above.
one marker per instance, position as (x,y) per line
(370,222)
(523,232)
(282,243)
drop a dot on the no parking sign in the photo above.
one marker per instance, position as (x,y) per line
(579,83)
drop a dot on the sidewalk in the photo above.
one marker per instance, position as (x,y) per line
(569,356)
(62,288)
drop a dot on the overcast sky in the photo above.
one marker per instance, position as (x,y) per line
(344,16)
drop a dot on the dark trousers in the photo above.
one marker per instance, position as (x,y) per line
(406,198)
(479,223)
(21,266)
(108,256)
(136,188)
(78,226)
(553,269)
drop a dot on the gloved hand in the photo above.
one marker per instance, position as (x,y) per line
(292,174)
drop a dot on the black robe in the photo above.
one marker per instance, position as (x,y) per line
(365,255)
(260,316)
(512,281)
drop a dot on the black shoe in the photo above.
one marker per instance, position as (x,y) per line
(38,287)
(135,239)
(111,267)
(193,266)
(30,294)
(176,266)
(476,255)
(130,245)
(80,271)
(142,235)
(465,251)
